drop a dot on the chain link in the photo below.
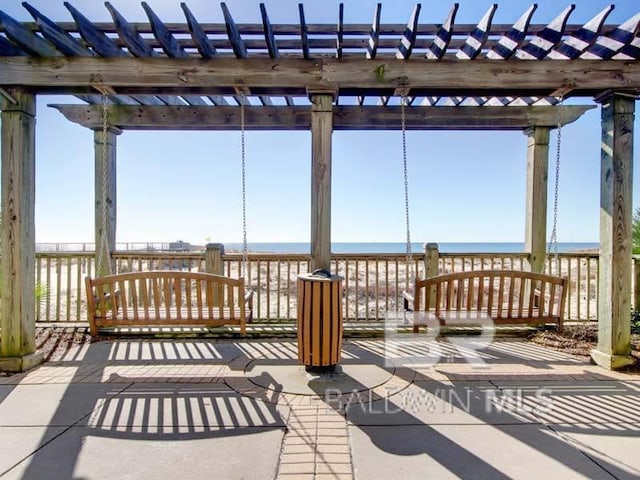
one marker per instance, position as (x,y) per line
(245,249)
(104,242)
(553,241)
(408,260)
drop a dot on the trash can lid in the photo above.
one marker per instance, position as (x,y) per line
(320,275)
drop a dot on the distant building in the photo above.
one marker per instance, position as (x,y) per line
(179,246)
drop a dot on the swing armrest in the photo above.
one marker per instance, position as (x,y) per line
(408,300)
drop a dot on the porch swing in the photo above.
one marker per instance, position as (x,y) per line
(167,298)
(482,297)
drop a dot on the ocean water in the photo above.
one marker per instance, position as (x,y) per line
(398,247)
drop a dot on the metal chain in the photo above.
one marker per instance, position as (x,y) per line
(553,242)
(245,249)
(104,244)
(408,260)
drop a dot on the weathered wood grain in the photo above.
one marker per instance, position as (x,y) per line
(8,49)
(198,34)
(345,117)
(614,295)
(17,250)
(535,237)
(26,39)
(272,47)
(349,75)
(64,42)
(340,31)
(321,133)
(203,45)
(105,192)
(239,48)
(393,29)
(139,48)
(304,33)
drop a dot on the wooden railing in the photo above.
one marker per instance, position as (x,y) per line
(60,278)
(373,282)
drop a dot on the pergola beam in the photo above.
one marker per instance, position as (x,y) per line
(348,75)
(345,117)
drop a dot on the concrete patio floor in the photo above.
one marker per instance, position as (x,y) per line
(137,409)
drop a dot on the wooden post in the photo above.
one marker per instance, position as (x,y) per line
(321,131)
(536,205)
(431,256)
(105,179)
(213,264)
(431,267)
(213,258)
(614,295)
(17,304)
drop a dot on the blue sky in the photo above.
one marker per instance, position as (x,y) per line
(464,187)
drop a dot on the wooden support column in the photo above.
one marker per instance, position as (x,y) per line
(105,179)
(321,132)
(536,206)
(614,295)
(17,251)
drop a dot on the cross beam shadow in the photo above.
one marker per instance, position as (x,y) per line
(102,402)
(425,406)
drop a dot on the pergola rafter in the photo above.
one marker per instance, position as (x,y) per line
(378,42)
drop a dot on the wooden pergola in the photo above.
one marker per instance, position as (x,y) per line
(317,77)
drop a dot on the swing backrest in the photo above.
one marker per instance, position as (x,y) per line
(504,296)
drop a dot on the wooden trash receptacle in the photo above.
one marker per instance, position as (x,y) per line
(319,320)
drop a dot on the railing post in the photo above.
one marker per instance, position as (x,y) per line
(431,267)
(213,258)
(213,264)
(431,259)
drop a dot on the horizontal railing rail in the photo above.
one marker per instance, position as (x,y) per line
(373,283)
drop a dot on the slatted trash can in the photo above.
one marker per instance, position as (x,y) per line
(320,320)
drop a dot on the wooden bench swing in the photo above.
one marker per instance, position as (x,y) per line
(168,298)
(476,297)
(503,297)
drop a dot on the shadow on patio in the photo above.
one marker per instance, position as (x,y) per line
(192,407)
